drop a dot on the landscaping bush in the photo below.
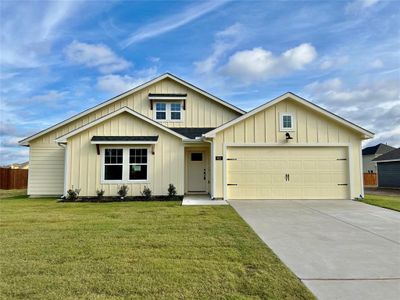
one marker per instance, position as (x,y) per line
(100,194)
(123,191)
(72,195)
(171,191)
(146,193)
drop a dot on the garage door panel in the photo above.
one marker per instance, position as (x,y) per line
(260,173)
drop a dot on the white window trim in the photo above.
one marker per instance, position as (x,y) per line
(281,128)
(125,165)
(168,111)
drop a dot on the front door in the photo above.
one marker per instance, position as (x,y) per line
(197,172)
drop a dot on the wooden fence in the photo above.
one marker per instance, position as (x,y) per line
(370,179)
(13,178)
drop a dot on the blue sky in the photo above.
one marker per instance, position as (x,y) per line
(59,58)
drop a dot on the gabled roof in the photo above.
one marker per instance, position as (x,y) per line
(377,149)
(116,98)
(366,133)
(63,138)
(393,155)
(192,132)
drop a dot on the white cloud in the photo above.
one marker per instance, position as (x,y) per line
(28,38)
(376,64)
(96,56)
(360,5)
(296,58)
(170,23)
(258,64)
(224,40)
(50,96)
(374,104)
(328,62)
(117,84)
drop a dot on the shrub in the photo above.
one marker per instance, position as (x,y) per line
(73,195)
(146,193)
(171,191)
(100,194)
(123,191)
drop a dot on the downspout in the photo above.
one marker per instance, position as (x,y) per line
(65,146)
(212,177)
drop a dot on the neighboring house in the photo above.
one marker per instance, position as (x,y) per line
(389,169)
(370,153)
(24,165)
(169,131)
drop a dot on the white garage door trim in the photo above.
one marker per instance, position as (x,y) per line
(314,145)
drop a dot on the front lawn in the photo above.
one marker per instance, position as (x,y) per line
(391,202)
(12,193)
(135,250)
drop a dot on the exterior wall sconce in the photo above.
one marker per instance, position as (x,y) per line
(288,137)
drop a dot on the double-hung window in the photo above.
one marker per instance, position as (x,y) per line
(125,164)
(168,111)
(161,111)
(113,164)
(175,111)
(138,164)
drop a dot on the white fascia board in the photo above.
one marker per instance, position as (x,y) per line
(292,96)
(388,160)
(63,138)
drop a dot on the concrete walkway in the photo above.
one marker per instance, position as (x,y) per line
(201,200)
(340,249)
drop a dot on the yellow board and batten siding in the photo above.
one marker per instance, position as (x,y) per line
(311,129)
(48,179)
(85,165)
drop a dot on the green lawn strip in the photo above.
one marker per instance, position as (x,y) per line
(12,193)
(390,202)
(135,250)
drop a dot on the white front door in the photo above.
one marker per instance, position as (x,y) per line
(197,181)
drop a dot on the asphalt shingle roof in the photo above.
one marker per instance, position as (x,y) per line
(97,138)
(192,132)
(167,95)
(377,149)
(394,154)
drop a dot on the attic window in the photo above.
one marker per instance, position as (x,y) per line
(287,122)
(168,111)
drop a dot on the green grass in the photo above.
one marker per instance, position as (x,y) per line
(135,250)
(391,202)
(12,193)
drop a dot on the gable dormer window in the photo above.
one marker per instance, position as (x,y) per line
(168,111)
(168,107)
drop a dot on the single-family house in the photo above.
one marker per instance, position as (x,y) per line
(389,169)
(372,152)
(170,131)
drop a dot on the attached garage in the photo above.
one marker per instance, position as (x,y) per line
(287,173)
(288,148)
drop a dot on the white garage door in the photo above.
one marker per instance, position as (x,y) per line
(287,173)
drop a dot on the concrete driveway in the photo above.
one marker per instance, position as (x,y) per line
(340,249)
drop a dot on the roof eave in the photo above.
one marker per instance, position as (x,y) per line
(365,133)
(25,142)
(64,138)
